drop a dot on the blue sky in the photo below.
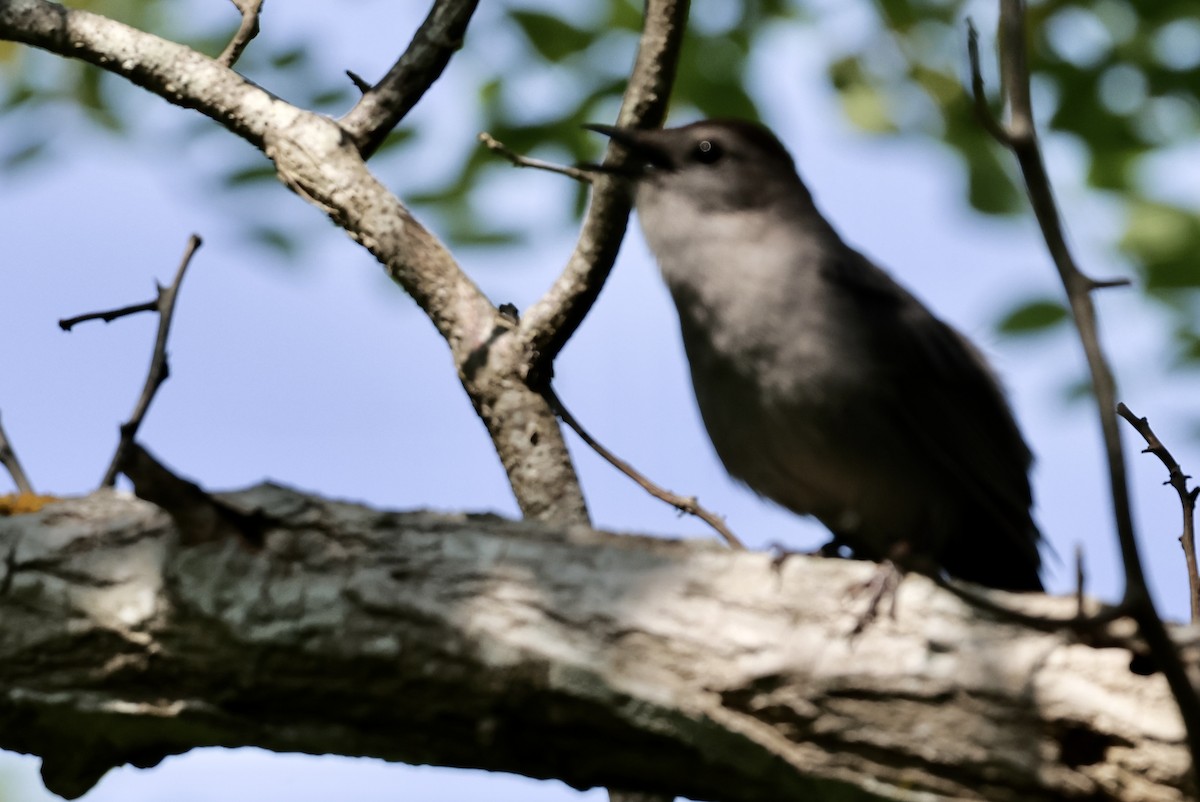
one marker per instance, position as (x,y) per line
(322,376)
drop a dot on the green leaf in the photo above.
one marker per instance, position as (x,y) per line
(624,15)
(1164,241)
(289,58)
(19,94)
(395,138)
(252,174)
(1033,317)
(900,14)
(1188,344)
(276,239)
(329,97)
(710,78)
(22,156)
(990,190)
(91,93)
(863,101)
(552,38)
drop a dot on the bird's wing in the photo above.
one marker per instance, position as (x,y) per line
(952,406)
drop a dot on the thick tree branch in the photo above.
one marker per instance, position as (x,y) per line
(385,104)
(548,324)
(317,160)
(598,659)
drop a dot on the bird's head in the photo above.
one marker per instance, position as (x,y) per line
(716,165)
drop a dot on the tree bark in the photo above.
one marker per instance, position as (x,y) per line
(468,640)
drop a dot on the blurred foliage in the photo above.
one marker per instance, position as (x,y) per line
(1033,316)
(1118,79)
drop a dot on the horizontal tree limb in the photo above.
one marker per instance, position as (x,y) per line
(597,659)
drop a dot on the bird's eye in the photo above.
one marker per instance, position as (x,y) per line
(707,151)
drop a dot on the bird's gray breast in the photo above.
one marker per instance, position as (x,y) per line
(776,362)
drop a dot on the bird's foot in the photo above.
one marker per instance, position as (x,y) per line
(882,585)
(780,553)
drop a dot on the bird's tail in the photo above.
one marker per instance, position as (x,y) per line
(997,558)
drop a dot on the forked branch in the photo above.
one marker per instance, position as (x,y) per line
(1020,136)
(386,103)
(247,30)
(164,304)
(1177,479)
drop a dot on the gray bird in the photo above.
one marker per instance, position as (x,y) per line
(825,385)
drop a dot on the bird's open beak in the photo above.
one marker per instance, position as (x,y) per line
(644,151)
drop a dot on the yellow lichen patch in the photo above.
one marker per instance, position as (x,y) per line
(21,503)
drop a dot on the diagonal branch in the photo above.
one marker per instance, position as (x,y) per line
(8,458)
(314,157)
(164,304)
(385,104)
(689,505)
(1020,136)
(517,160)
(552,320)
(1187,500)
(247,30)
(108,316)
(309,150)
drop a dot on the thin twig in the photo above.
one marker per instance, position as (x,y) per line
(360,83)
(684,504)
(158,364)
(251,9)
(384,105)
(549,323)
(1187,499)
(982,110)
(1020,136)
(8,458)
(1080,580)
(498,147)
(68,323)
(1109,283)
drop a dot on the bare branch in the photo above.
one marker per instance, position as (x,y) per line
(68,323)
(1108,283)
(165,306)
(360,83)
(498,147)
(1021,138)
(314,157)
(177,73)
(246,31)
(385,104)
(549,323)
(8,458)
(684,504)
(1080,580)
(1187,499)
(983,111)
